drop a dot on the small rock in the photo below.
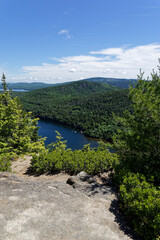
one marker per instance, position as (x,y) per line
(70,180)
(83,176)
(80,179)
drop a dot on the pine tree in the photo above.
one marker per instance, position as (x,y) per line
(18,129)
(4,84)
(139,144)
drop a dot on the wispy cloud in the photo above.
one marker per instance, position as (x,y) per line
(65,33)
(110,62)
(79,59)
(109,51)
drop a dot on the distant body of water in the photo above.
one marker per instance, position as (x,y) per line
(16,90)
(75,140)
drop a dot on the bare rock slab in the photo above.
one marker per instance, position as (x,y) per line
(50,210)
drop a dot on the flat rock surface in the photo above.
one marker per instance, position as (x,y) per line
(45,209)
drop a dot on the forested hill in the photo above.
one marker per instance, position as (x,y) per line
(29,86)
(83,105)
(118,82)
(75,89)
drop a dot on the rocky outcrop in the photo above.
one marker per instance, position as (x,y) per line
(99,187)
(36,209)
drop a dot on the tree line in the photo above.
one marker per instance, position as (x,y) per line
(86,106)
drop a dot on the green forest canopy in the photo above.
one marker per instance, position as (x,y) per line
(87,106)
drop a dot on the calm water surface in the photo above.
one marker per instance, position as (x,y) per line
(75,140)
(16,90)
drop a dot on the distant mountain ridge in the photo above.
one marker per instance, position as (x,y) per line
(29,86)
(77,88)
(117,82)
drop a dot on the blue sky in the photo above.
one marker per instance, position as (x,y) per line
(67,40)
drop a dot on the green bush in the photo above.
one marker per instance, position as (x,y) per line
(59,158)
(5,163)
(140,202)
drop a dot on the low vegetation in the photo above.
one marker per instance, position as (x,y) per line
(140,203)
(58,158)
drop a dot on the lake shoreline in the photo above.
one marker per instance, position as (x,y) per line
(75,138)
(76,130)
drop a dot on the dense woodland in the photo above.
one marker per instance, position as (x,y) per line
(83,105)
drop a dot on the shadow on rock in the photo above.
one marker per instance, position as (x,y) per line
(102,187)
(92,186)
(123,225)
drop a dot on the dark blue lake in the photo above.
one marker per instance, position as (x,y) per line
(75,140)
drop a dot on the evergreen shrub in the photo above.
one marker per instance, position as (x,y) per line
(5,163)
(140,202)
(59,158)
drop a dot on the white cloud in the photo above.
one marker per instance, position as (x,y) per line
(110,62)
(109,51)
(73,70)
(79,59)
(65,33)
